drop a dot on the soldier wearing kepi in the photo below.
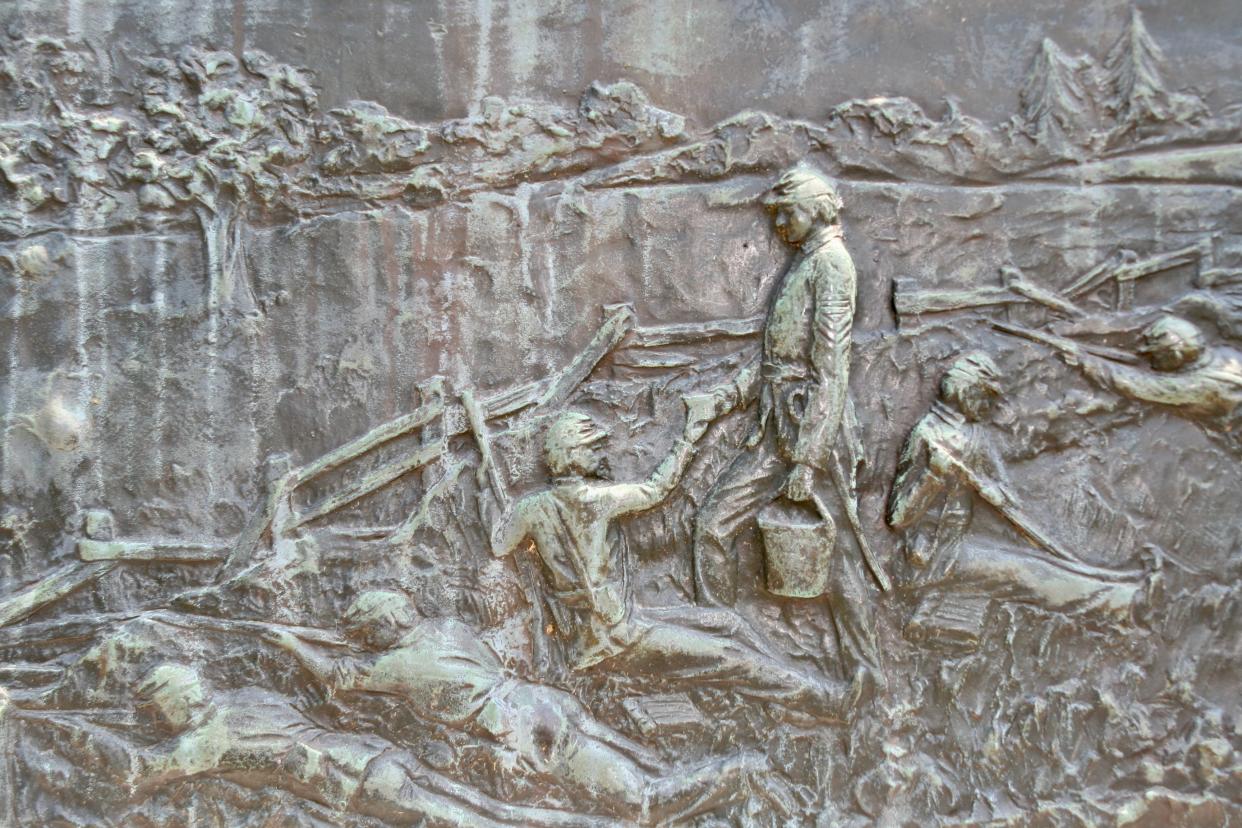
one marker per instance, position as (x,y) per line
(1186,374)
(946,464)
(569,523)
(805,440)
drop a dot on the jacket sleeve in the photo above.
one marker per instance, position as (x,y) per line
(627,498)
(741,390)
(832,322)
(510,530)
(1148,386)
(916,485)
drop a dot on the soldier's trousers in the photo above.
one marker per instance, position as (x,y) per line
(1028,577)
(687,654)
(751,481)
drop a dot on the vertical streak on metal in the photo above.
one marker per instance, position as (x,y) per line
(239,28)
(483,54)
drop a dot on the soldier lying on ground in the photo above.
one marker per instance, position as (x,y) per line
(444,671)
(569,524)
(258,739)
(1188,375)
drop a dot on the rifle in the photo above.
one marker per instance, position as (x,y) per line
(1018,519)
(488,477)
(313,635)
(1066,345)
(847,437)
(851,513)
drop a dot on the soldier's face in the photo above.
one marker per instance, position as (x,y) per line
(593,462)
(792,222)
(1165,351)
(977,402)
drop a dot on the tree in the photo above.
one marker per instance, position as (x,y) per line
(1054,104)
(224,135)
(1137,94)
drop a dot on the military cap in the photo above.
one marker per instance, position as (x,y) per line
(1165,326)
(975,368)
(801,184)
(570,431)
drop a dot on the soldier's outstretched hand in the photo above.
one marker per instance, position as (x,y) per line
(1096,369)
(700,412)
(283,639)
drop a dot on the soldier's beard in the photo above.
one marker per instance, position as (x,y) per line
(602,470)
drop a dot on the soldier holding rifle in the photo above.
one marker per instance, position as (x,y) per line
(945,464)
(1182,371)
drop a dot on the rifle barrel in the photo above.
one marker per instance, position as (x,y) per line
(251,627)
(1066,344)
(1011,512)
(1060,343)
(1018,519)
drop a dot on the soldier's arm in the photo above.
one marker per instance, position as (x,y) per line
(738,392)
(155,767)
(510,530)
(916,484)
(1150,386)
(86,744)
(997,488)
(627,498)
(830,360)
(335,673)
(190,754)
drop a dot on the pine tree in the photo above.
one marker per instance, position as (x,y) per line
(1137,91)
(1052,99)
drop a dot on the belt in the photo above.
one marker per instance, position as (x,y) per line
(784,372)
(576,598)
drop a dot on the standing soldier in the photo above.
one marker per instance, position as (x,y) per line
(804,442)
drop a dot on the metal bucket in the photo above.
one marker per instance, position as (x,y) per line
(797,543)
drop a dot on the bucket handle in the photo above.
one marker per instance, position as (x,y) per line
(820,507)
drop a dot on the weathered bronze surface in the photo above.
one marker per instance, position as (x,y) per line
(394,436)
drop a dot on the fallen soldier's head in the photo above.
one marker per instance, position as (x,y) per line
(377,619)
(174,694)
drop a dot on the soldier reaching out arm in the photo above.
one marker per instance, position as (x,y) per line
(1185,374)
(569,523)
